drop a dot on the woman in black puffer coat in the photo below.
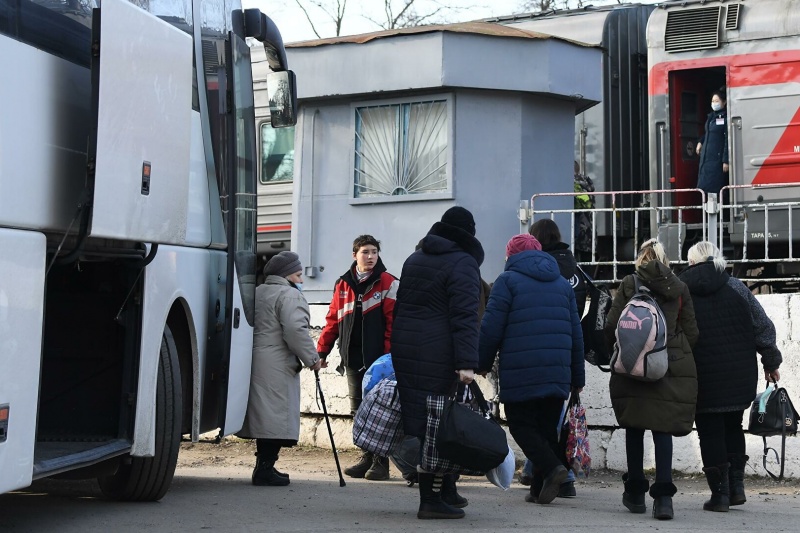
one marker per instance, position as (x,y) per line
(733,327)
(547,233)
(435,336)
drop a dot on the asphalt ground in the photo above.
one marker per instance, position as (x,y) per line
(212,491)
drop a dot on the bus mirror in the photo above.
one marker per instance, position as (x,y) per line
(282,91)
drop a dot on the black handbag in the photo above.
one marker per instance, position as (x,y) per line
(771,414)
(593,324)
(472,439)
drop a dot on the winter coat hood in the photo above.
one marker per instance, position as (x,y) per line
(535,264)
(444,238)
(565,258)
(704,278)
(660,279)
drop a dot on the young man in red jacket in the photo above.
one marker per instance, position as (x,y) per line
(360,316)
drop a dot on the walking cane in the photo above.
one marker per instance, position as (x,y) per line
(330,431)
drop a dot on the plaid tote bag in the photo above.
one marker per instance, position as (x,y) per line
(378,427)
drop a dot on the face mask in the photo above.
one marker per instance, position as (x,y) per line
(299,286)
(716,106)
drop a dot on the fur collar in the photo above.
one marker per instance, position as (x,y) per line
(458,239)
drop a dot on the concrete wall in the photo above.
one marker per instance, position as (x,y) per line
(606,439)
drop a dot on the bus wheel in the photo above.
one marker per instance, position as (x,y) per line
(149,478)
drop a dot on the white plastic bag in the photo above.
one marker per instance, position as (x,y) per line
(503,475)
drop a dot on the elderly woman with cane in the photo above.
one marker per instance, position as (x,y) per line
(281,348)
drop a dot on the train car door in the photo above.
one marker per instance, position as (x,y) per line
(689,96)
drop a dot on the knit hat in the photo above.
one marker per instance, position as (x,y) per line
(522,243)
(284,264)
(460,218)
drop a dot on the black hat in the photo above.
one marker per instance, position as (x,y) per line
(460,218)
(284,264)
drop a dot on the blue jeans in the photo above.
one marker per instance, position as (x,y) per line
(527,470)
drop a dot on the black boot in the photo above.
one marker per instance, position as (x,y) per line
(359,470)
(736,478)
(662,494)
(264,474)
(717,477)
(450,494)
(633,497)
(379,470)
(536,487)
(552,482)
(431,506)
(567,490)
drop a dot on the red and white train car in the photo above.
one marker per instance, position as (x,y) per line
(753,49)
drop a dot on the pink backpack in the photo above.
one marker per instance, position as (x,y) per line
(641,348)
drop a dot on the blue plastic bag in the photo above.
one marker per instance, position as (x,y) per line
(380,369)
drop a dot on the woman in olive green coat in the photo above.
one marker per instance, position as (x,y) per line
(665,407)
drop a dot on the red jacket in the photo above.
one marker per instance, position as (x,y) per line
(378,294)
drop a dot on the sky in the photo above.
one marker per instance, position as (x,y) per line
(294,27)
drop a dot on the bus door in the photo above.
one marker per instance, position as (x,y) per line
(241,227)
(21,317)
(139,155)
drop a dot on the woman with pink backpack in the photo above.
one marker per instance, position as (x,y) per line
(666,407)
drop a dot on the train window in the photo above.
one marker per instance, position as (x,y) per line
(402,150)
(277,153)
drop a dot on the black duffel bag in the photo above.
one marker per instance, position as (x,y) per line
(472,439)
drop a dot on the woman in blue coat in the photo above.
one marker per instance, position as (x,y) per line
(532,320)
(713,147)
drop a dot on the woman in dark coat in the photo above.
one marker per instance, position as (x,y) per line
(713,147)
(533,321)
(547,233)
(665,407)
(435,336)
(733,327)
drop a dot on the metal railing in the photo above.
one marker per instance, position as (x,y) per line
(614,263)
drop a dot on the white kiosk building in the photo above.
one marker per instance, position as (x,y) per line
(396,127)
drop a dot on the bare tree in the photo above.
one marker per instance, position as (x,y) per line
(404,14)
(333,10)
(548,5)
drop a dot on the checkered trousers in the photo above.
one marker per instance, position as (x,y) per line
(432,459)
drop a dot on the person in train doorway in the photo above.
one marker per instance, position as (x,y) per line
(360,317)
(713,147)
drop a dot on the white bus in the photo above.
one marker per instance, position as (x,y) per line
(127,233)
